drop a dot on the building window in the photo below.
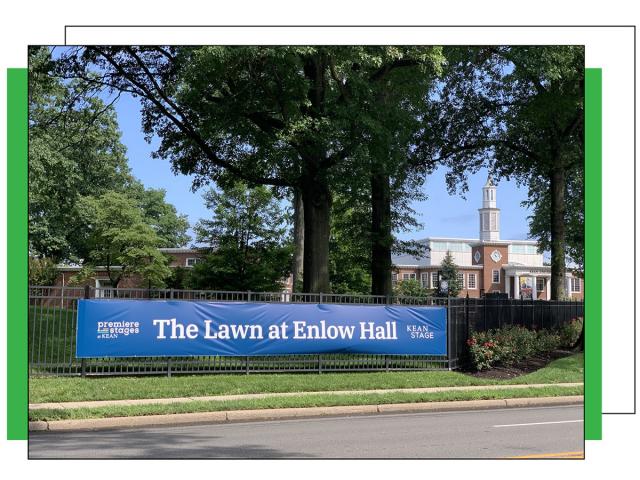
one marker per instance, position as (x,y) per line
(408,276)
(424,279)
(575,284)
(461,280)
(191,261)
(495,276)
(471,281)
(494,221)
(539,284)
(434,279)
(394,279)
(485,221)
(103,288)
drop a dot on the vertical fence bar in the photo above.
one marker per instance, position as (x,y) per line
(83,362)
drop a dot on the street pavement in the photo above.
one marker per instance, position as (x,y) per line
(539,432)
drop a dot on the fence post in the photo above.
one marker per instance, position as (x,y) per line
(319,363)
(533,313)
(249,296)
(246,360)
(321,296)
(466,315)
(171,293)
(386,363)
(169,367)
(449,331)
(83,362)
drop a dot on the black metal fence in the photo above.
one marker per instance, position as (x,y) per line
(53,317)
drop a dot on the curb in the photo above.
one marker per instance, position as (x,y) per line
(232,416)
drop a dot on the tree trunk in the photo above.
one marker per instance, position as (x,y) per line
(381,238)
(298,238)
(316,199)
(558,183)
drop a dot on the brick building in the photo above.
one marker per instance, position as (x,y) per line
(178,257)
(487,264)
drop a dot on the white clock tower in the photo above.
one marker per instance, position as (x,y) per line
(489,214)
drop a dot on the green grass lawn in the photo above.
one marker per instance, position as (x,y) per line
(61,389)
(307,401)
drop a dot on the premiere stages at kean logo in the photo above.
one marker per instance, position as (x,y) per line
(179,328)
(113,329)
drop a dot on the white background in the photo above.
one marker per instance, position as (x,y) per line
(612,49)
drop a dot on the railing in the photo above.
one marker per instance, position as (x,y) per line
(53,317)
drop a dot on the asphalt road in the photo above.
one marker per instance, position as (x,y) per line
(463,434)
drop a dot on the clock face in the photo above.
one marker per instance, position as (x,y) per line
(476,257)
(496,256)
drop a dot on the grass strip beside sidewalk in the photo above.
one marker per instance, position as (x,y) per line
(301,401)
(55,389)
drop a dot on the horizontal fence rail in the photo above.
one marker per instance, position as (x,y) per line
(53,326)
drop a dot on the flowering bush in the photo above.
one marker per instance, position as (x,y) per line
(570,332)
(509,345)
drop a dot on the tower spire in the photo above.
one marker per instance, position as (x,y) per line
(489,213)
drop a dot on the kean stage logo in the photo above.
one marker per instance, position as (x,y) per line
(420,332)
(108,330)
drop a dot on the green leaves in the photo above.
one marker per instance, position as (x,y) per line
(449,272)
(119,239)
(246,239)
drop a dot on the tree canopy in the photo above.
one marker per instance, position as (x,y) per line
(119,239)
(246,240)
(75,155)
(279,116)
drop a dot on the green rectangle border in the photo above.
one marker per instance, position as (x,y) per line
(593,254)
(17,253)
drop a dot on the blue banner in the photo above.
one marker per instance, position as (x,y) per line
(152,328)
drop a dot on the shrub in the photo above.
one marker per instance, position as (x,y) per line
(570,332)
(509,345)
(42,271)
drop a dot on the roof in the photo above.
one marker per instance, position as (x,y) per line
(476,241)
(409,261)
(180,250)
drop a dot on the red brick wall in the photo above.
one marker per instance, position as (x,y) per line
(489,265)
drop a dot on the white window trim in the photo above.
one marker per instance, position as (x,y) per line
(195,260)
(475,281)
(493,281)
(576,281)
(424,280)
(462,287)
(434,284)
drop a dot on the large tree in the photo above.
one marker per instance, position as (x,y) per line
(522,108)
(119,239)
(74,151)
(389,105)
(246,240)
(278,116)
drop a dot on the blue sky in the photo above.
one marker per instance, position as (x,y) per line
(443,215)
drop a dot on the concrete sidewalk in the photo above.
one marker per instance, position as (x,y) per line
(253,396)
(231,416)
